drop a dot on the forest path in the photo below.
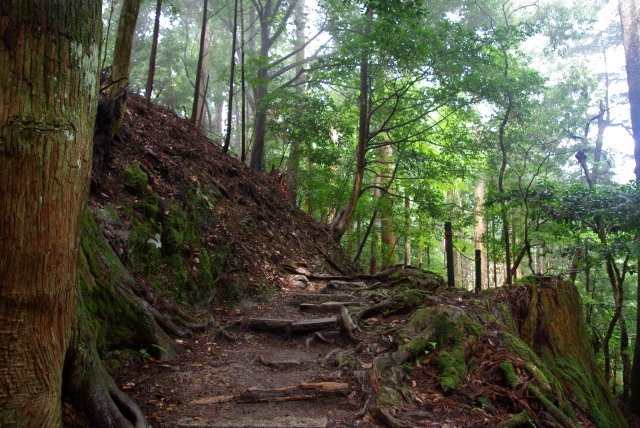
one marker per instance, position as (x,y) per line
(218,367)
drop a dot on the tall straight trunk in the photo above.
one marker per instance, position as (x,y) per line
(339,223)
(243,107)
(199,91)
(121,64)
(407,230)
(295,147)
(154,51)
(49,84)
(630,19)
(375,237)
(481,228)
(503,206)
(227,139)
(388,235)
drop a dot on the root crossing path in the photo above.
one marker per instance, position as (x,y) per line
(268,365)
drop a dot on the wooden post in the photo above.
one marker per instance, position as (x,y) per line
(448,236)
(478,270)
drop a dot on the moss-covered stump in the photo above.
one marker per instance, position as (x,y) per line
(120,318)
(467,352)
(549,317)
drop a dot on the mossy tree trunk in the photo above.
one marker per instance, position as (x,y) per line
(552,324)
(49,60)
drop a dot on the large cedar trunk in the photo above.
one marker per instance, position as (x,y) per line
(630,19)
(49,80)
(550,321)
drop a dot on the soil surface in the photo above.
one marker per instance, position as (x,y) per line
(219,366)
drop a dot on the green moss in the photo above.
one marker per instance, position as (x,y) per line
(417,346)
(452,366)
(178,271)
(111,211)
(149,205)
(445,329)
(127,208)
(509,373)
(473,328)
(389,396)
(418,322)
(135,179)
(143,256)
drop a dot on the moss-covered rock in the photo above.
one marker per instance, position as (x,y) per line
(135,179)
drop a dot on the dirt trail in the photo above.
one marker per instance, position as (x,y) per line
(218,367)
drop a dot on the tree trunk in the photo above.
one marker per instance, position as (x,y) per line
(407,230)
(503,206)
(154,50)
(199,91)
(375,237)
(481,229)
(49,83)
(630,19)
(339,223)
(121,64)
(387,233)
(234,47)
(295,154)
(553,326)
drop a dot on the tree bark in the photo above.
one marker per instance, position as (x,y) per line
(49,81)
(407,230)
(339,223)
(199,91)
(154,50)
(267,15)
(630,19)
(481,229)
(234,42)
(121,64)
(387,233)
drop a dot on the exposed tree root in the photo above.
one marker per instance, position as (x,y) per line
(303,391)
(91,388)
(348,324)
(384,415)
(521,420)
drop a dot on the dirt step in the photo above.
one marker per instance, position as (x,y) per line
(291,326)
(298,299)
(250,422)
